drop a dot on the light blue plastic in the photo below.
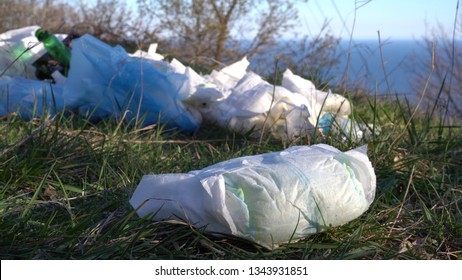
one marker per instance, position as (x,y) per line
(105,81)
(29,98)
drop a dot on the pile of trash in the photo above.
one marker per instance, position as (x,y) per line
(269,198)
(142,89)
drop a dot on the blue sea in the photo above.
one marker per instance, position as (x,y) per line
(370,62)
(384,68)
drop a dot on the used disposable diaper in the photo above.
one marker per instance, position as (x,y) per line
(270,198)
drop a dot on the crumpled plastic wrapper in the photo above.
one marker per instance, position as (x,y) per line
(270,198)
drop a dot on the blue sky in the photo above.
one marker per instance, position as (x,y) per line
(396,19)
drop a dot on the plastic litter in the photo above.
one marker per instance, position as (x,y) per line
(142,89)
(29,98)
(19,48)
(269,198)
(241,101)
(105,82)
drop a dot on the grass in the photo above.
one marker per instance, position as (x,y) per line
(65,185)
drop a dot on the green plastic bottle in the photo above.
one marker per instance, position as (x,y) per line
(55,47)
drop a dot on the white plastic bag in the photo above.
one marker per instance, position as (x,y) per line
(269,198)
(19,48)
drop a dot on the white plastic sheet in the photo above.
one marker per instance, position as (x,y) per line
(269,198)
(18,50)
